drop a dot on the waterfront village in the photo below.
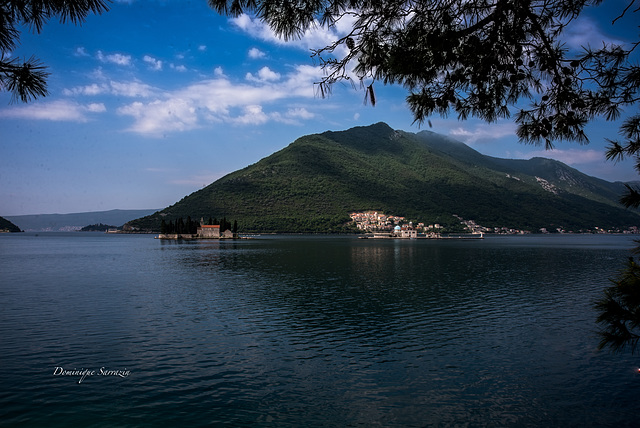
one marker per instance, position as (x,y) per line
(373,224)
(379,225)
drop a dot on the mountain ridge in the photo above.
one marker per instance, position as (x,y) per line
(313,183)
(75,221)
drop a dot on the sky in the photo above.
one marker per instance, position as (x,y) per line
(156,99)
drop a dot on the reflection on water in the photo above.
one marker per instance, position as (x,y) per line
(312,331)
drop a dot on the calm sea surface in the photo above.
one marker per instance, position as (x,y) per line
(309,331)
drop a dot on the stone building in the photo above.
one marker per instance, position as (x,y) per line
(209,231)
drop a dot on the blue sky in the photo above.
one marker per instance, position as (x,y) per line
(153,100)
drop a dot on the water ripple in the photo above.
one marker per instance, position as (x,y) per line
(310,332)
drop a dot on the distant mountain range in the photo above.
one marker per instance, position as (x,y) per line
(313,184)
(75,221)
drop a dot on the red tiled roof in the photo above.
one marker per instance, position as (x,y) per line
(215,226)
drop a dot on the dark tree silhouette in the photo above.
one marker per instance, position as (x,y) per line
(26,79)
(619,311)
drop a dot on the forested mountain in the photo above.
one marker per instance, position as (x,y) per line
(7,226)
(313,184)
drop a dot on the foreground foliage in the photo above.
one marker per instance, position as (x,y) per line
(619,311)
(26,79)
(471,57)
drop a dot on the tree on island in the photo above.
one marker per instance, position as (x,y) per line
(98,227)
(26,79)
(189,226)
(483,58)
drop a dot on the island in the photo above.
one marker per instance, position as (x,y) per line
(212,229)
(98,227)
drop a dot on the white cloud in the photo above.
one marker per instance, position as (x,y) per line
(585,32)
(220,100)
(314,37)
(483,132)
(292,116)
(131,89)
(97,74)
(264,75)
(90,90)
(255,53)
(117,58)
(255,28)
(57,111)
(161,116)
(253,115)
(126,89)
(301,113)
(202,48)
(96,108)
(154,64)
(180,68)
(81,52)
(219,72)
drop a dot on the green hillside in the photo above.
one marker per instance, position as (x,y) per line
(7,226)
(560,175)
(314,183)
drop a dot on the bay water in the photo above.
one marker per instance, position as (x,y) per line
(301,331)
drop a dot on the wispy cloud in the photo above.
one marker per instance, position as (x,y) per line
(201,179)
(568,156)
(126,89)
(89,90)
(161,170)
(132,89)
(57,111)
